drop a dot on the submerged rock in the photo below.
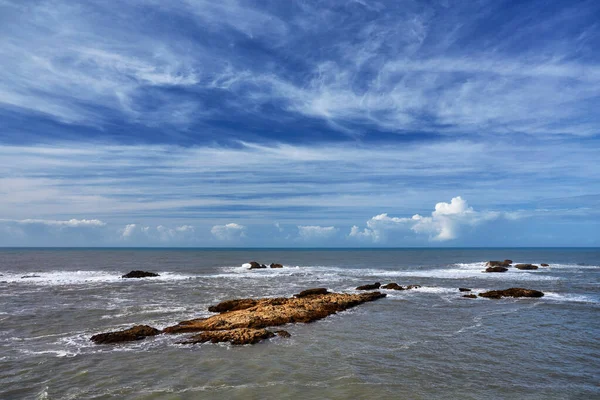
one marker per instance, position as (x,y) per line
(255,265)
(393,286)
(413,287)
(512,292)
(276,265)
(139,274)
(526,266)
(283,334)
(30,276)
(496,269)
(137,332)
(237,336)
(470,296)
(312,292)
(462,289)
(544,265)
(371,286)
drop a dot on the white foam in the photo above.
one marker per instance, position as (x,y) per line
(55,278)
(571,298)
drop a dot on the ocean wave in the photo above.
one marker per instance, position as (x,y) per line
(57,278)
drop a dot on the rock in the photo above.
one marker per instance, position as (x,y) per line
(255,265)
(392,286)
(470,296)
(512,292)
(277,311)
(233,305)
(372,286)
(139,274)
(276,266)
(496,269)
(283,334)
(504,263)
(413,287)
(526,266)
(462,289)
(138,332)
(237,336)
(544,265)
(311,292)
(30,276)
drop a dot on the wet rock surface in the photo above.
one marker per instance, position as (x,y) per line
(470,296)
(371,286)
(255,265)
(393,286)
(137,332)
(274,265)
(504,263)
(512,292)
(544,265)
(237,336)
(526,266)
(312,292)
(462,289)
(496,269)
(139,274)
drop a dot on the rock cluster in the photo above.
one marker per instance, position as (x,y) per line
(257,265)
(243,321)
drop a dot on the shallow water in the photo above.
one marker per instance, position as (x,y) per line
(420,344)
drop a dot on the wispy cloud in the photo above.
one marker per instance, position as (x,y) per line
(315,232)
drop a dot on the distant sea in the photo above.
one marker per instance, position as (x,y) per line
(426,343)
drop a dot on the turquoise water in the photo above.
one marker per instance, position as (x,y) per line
(427,343)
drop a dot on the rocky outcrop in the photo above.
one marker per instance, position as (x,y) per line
(512,292)
(276,312)
(137,332)
(526,266)
(392,286)
(276,265)
(312,292)
(139,274)
(371,286)
(504,263)
(544,265)
(462,289)
(255,265)
(496,269)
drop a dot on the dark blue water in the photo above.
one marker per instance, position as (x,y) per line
(418,344)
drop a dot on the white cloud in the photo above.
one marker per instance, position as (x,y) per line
(128,231)
(231,231)
(311,232)
(159,233)
(444,224)
(72,223)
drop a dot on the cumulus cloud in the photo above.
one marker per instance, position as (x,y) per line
(311,232)
(229,231)
(159,233)
(444,224)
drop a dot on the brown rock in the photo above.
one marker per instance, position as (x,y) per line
(276,266)
(392,286)
(504,263)
(277,311)
(255,265)
(512,292)
(496,269)
(137,332)
(462,289)
(232,305)
(312,292)
(526,266)
(283,334)
(371,286)
(139,274)
(234,336)
(544,265)
(470,296)
(413,287)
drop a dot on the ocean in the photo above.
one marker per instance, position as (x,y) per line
(425,343)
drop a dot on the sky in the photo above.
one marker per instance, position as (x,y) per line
(299,123)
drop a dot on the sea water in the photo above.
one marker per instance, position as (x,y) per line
(425,343)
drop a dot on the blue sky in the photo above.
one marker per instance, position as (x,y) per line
(299,123)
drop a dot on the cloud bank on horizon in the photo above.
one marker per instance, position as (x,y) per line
(309,123)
